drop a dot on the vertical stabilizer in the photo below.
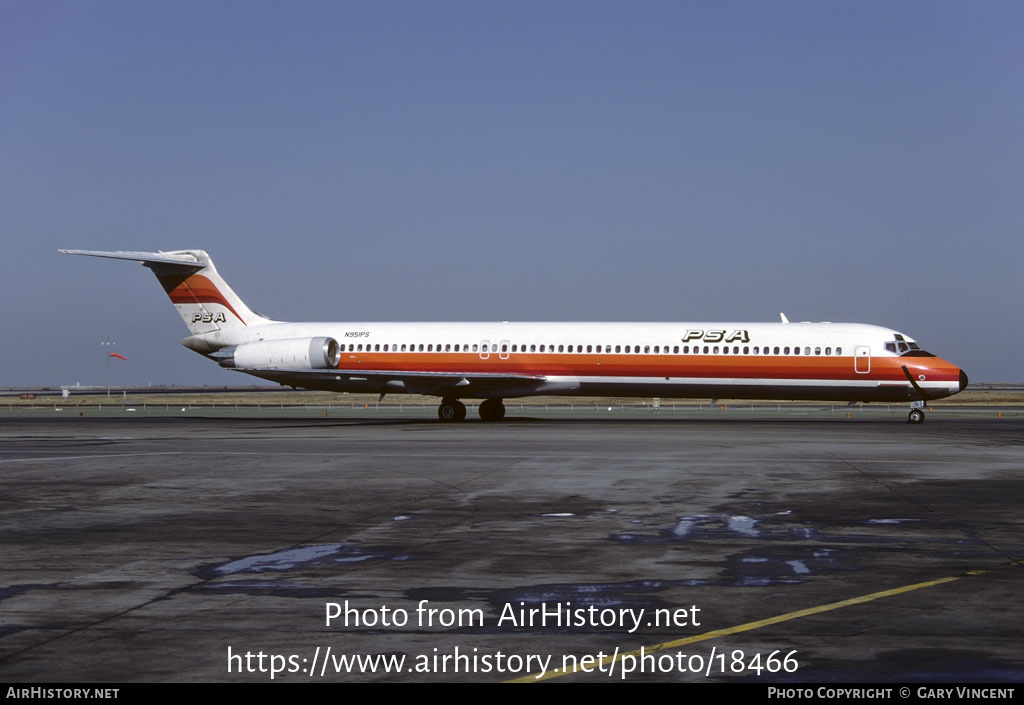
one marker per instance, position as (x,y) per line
(203,299)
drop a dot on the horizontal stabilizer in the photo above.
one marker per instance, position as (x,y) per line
(188,261)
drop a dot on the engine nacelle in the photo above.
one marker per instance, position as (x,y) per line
(291,354)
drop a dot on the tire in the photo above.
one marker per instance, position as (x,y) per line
(916,416)
(492,410)
(451,411)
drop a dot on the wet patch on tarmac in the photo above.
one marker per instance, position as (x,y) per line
(301,556)
(777,526)
(14,590)
(774,565)
(334,557)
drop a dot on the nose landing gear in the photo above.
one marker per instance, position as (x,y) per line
(916,412)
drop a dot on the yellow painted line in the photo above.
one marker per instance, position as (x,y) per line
(749,626)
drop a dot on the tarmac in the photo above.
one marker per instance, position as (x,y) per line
(593,548)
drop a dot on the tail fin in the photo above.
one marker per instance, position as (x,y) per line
(204,300)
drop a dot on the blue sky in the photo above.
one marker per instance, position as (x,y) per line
(844,161)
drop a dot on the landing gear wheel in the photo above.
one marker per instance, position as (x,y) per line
(916,416)
(451,410)
(492,410)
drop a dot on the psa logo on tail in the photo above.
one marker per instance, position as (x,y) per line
(208,317)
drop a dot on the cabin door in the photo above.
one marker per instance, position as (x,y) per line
(862,359)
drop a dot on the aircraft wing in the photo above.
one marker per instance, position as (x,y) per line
(463,384)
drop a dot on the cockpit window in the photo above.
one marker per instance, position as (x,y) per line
(905,348)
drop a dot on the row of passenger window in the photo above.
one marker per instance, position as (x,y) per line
(631,349)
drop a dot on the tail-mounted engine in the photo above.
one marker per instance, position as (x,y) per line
(291,354)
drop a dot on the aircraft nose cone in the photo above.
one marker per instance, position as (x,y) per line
(963,380)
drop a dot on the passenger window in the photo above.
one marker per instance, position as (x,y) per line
(504,347)
(785,350)
(828,351)
(839,351)
(817,351)
(706,349)
(807,351)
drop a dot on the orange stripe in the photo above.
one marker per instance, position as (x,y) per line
(194,289)
(652,366)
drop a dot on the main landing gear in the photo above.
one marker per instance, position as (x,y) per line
(492,410)
(451,410)
(916,412)
(455,410)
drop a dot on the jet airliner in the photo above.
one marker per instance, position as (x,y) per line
(848,362)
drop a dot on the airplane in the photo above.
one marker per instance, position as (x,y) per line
(848,362)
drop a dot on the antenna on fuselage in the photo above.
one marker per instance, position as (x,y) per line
(783,317)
